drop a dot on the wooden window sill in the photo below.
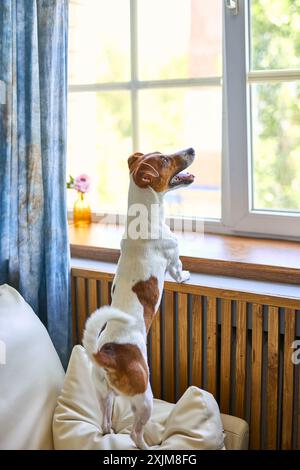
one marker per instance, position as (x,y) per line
(223,255)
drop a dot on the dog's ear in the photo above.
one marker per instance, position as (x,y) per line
(133,158)
(144,174)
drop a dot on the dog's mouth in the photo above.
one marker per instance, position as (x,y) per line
(182,177)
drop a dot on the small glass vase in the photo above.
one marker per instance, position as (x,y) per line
(82,214)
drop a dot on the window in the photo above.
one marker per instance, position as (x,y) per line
(140,80)
(275,99)
(162,75)
(262,152)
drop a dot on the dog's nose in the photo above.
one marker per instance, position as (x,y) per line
(190,151)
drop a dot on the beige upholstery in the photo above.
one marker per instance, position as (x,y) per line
(30,380)
(193,423)
(236,432)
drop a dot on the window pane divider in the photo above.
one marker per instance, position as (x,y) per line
(145,84)
(279,75)
(180,82)
(134,75)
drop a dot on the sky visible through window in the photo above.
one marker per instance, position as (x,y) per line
(184,44)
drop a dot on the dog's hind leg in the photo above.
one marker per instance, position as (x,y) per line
(106,404)
(142,408)
(105,397)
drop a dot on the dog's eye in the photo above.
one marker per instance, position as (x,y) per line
(165,161)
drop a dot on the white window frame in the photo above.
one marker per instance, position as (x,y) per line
(237,217)
(237,213)
(134,85)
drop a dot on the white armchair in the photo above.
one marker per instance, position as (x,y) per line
(31,378)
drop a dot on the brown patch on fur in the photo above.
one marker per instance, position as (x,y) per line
(133,160)
(125,366)
(148,294)
(155,169)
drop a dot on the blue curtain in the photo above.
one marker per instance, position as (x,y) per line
(34,250)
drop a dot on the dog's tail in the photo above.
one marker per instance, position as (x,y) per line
(96,322)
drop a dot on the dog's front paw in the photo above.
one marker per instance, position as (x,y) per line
(184,276)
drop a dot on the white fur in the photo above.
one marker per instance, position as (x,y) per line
(145,258)
(140,259)
(95,323)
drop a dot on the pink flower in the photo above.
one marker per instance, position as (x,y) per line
(82,183)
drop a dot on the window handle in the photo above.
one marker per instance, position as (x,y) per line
(233,6)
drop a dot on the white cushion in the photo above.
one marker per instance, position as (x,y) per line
(193,423)
(31,379)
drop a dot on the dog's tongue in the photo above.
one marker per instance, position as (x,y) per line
(183,176)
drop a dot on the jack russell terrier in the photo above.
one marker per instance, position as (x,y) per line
(115,335)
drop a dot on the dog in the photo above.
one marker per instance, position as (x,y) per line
(115,335)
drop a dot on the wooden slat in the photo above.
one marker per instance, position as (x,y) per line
(272,377)
(183,342)
(298,420)
(92,295)
(197,341)
(211,345)
(81,306)
(288,379)
(277,301)
(109,292)
(169,353)
(226,328)
(257,336)
(84,293)
(195,288)
(93,274)
(74,311)
(104,292)
(156,356)
(241,358)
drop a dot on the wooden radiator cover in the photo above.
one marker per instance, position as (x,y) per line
(234,344)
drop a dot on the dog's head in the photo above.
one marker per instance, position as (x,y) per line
(161,172)
(125,366)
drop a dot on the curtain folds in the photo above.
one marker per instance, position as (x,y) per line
(34,249)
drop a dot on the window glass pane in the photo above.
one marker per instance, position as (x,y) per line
(99,41)
(99,143)
(172,119)
(275,34)
(179,38)
(276,146)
